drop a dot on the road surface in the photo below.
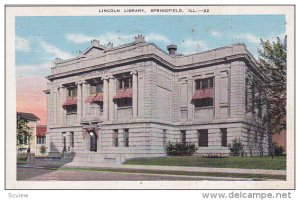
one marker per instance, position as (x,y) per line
(31,174)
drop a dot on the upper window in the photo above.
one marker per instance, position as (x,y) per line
(204,83)
(40,140)
(124,83)
(125,102)
(96,88)
(72,92)
(206,102)
(71,109)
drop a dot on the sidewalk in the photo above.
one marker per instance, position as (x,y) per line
(85,165)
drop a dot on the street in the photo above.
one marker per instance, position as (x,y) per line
(31,174)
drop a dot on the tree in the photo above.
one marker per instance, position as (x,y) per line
(272,57)
(23,132)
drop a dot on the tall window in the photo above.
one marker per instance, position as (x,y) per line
(124,83)
(96,88)
(126,137)
(224,137)
(116,138)
(204,83)
(72,92)
(183,136)
(164,137)
(203,138)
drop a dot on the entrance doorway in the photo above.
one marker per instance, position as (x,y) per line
(93,142)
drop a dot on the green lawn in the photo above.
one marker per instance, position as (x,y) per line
(277,163)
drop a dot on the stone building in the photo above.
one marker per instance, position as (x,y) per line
(114,103)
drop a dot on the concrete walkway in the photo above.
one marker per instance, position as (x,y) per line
(60,164)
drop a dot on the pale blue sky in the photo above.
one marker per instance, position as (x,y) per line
(41,39)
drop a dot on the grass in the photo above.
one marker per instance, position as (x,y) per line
(277,163)
(211,174)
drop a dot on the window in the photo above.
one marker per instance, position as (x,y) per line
(72,138)
(203,138)
(164,137)
(72,92)
(125,82)
(126,137)
(206,102)
(71,109)
(204,83)
(24,139)
(224,137)
(183,136)
(125,102)
(96,88)
(40,140)
(115,138)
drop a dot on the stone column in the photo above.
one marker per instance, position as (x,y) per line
(217,97)
(105,99)
(112,93)
(190,93)
(62,99)
(135,94)
(84,97)
(54,106)
(79,101)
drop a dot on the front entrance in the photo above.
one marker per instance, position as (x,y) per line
(93,142)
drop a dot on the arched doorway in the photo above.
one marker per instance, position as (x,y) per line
(93,141)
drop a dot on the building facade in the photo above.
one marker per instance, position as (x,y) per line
(114,103)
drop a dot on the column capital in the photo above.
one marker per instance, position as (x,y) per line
(134,72)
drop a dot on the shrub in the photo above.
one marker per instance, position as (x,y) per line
(278,149)
(215,155)
(43,149)
(236,147)
(180,149)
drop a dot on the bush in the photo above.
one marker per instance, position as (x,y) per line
(180,149)
(215,155)
(43,149)
(236,147)
(278,149)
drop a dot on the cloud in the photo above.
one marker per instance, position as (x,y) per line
(22,44)
(54,51)
(249,37)
(115,38)
(216,33)
(78,38)
(42,69)
(154,37)
(190,46)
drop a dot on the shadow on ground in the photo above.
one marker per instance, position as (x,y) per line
(50,162)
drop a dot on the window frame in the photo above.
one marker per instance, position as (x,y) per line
(202,142)
(204,83)
(126,137)
(224,142)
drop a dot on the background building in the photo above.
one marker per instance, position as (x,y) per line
(28,145)
(113,103)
